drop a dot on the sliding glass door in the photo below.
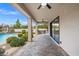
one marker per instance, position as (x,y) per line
(54,30)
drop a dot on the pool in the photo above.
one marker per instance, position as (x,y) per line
(3,37)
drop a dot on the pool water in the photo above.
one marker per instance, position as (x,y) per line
(3,37)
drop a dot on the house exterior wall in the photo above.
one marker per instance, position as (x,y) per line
(69,27)
(69,30)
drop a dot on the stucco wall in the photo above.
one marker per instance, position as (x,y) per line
(69,27)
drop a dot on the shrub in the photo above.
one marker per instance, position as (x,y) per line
(10,39)
(2,51)
(17,42)
(20,35)
(23,31)
(25,37)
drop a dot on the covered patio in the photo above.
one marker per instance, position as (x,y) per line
(44,15)
(42,44)
(60,15)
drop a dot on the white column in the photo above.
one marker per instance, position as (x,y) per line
(49,28)
(36,29)
(30,29)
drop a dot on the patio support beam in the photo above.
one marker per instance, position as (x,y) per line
(30,29)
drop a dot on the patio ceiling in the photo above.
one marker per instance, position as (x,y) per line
(42,13)
(31,10)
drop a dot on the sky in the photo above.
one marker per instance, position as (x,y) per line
(9,15)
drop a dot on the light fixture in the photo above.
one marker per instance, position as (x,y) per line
(43,5)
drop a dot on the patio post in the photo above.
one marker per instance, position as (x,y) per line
(49,28)
(36,29)
(30,29)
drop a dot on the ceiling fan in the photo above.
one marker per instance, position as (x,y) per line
(44,5)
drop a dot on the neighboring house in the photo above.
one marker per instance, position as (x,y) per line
(0,28)
(5,28)
(19,30)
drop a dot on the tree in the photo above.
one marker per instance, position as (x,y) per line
(24,26)
(18,24)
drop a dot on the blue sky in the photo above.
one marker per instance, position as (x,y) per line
(9,15)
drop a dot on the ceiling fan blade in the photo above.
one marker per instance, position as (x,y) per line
(48,6)
(39,7)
